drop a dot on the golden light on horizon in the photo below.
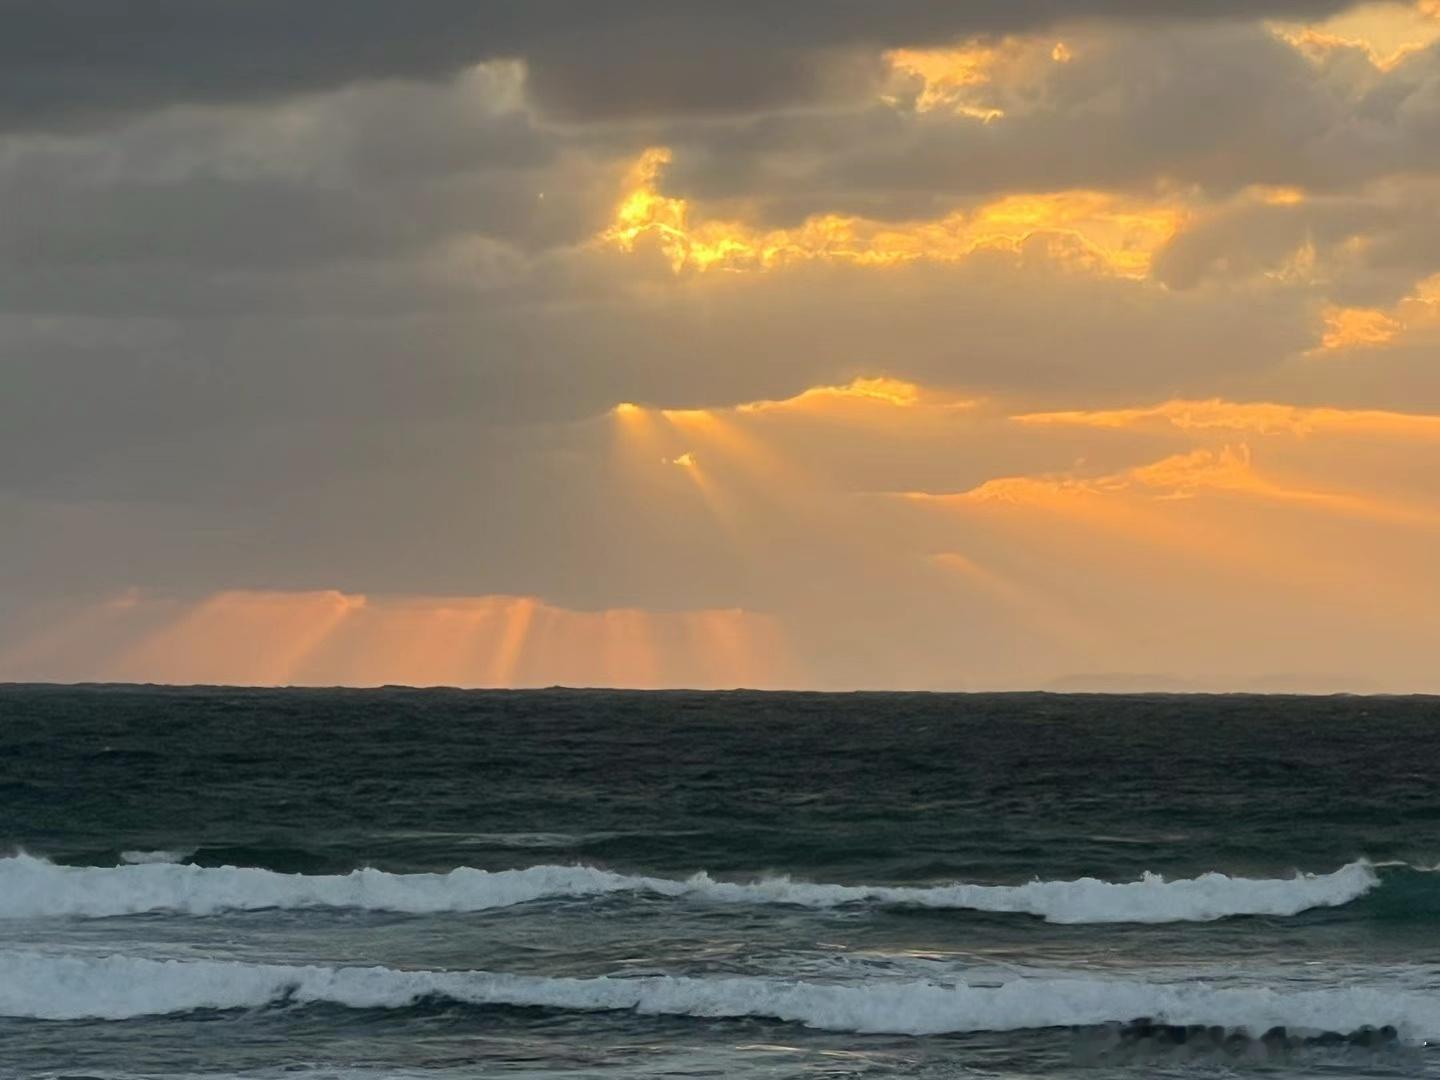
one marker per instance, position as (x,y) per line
(1234,507)
(76,627)
(272,632)
(240,637)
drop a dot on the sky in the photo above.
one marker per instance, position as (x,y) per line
(1004,344)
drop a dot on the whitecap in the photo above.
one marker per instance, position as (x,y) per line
(117,988)
(143,858)
(33,887)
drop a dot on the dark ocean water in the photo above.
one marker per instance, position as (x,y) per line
(566,883)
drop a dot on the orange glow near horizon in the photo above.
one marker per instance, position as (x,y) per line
(271,634)
(69,630)
(269,638)
(1267,499)
(772,474)
(1091,231)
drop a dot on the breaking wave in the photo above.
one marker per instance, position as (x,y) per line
(31,887)
(117,987)
(143,858)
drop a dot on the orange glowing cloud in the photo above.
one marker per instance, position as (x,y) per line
(1385,33)
(841,399)
(731,431)
(1229,470)
(974,79)
(950,78)
(1348,328)
(1089,231)
(1265,418)
(244,637)
(1345,328)
(895,393)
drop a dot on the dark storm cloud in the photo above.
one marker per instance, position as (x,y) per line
(65,62)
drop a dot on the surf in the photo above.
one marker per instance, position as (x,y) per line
(46,987)
(32,887)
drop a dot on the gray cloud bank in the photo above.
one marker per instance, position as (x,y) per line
(80,61)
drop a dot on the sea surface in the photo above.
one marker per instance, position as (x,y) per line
(441,884)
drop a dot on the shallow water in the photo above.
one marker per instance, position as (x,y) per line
(566,883)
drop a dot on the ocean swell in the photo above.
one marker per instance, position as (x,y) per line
(116,988)
(31,887)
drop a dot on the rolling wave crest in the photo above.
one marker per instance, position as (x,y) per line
(31,887)
(118,987)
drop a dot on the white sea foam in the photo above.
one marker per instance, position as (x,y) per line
(141,858)
(118,987)
(32,887)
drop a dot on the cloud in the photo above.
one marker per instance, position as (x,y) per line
(311,303)
(1366,248)
(1225,471)
(67,62)
(1266,418)
(1089,231)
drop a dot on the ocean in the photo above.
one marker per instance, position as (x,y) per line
(440,884)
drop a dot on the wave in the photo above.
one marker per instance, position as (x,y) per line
(141,858)
(31,887)
(44,987)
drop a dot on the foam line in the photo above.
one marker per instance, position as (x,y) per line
(31,887)
(118,987)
